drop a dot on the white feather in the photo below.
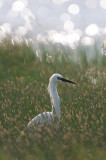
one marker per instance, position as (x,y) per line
(55,113)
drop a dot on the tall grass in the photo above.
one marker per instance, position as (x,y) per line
(24,75)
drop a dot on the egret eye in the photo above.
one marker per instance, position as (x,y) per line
(58,78)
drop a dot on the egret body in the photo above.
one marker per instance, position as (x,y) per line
(55,113)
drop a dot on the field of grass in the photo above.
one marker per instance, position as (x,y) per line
(24,77)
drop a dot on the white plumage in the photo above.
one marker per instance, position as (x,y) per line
(55,113)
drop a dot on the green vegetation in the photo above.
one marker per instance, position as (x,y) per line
(24,75)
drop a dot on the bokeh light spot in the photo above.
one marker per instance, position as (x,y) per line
(91,3)
(73,9)
(64,38)
(73,37)
(92,30)
(103,4)
(68,26)
(64,17)
(58,37)
(18,6)
(79,32)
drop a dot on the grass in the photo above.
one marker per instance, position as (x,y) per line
(24,76)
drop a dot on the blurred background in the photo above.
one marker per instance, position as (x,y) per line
(39,38)
(59,21)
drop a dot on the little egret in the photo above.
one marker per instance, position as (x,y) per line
(55,113)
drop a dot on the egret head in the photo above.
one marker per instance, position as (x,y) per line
(58,78)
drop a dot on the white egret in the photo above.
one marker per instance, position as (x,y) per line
(55,113)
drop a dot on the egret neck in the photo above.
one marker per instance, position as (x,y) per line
(54,99)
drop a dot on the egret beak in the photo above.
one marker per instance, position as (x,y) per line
(65,80)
